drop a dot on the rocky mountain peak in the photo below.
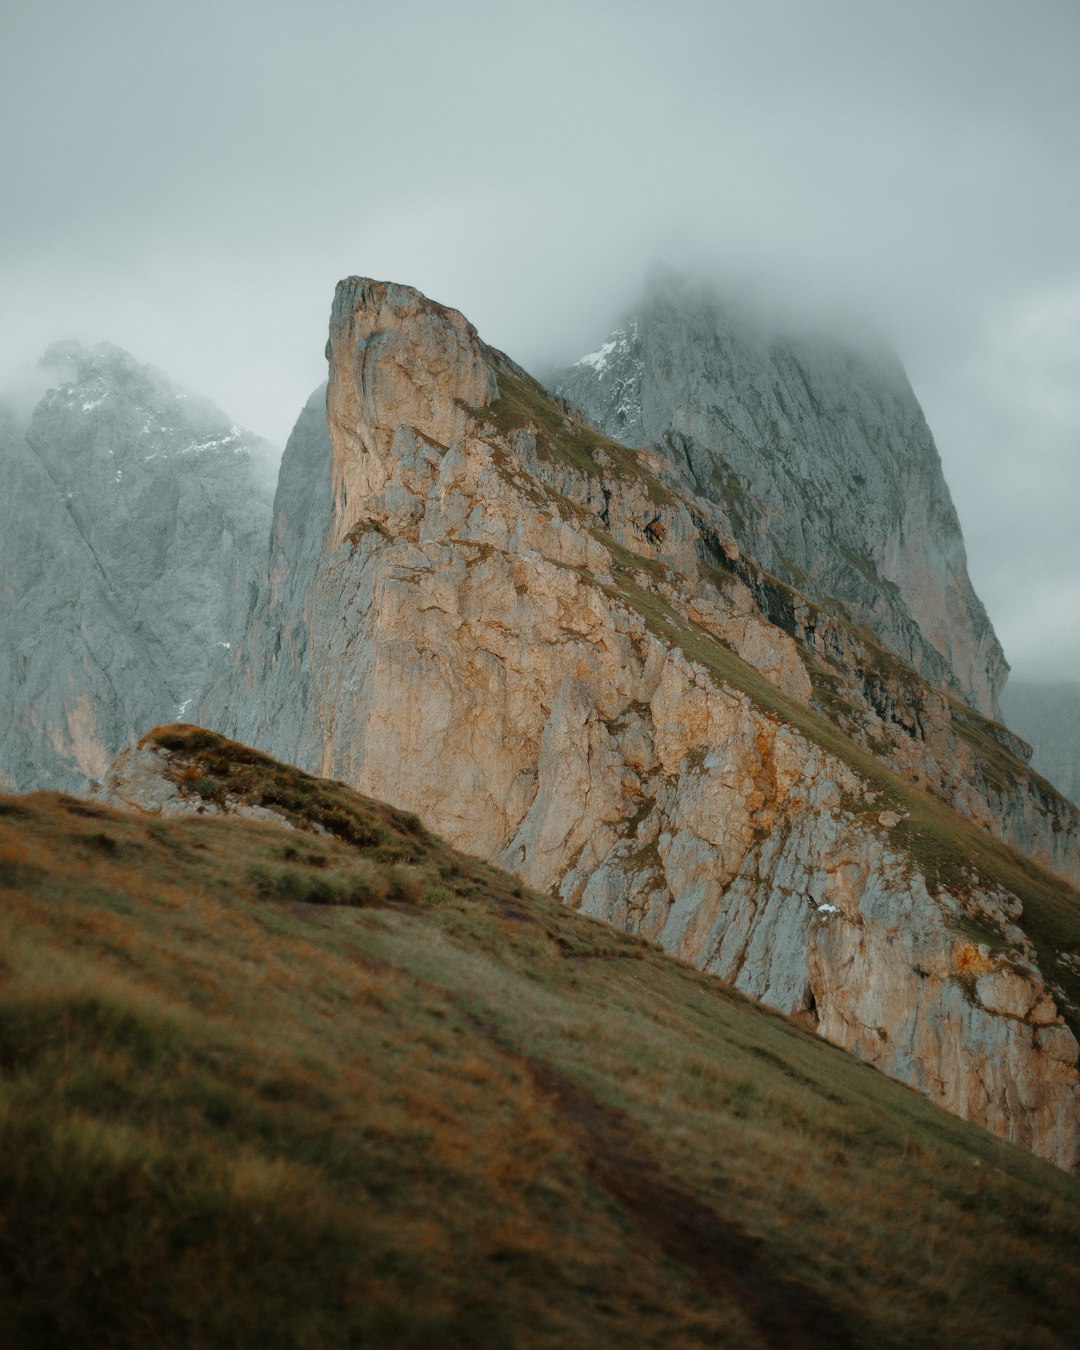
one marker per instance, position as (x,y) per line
(550,647)
(547,646)
(104,399)
(133,527)
(819,452)
(396,359)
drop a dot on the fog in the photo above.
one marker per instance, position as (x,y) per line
(189,181)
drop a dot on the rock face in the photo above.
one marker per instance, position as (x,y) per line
(265,697)
(132,535)
(823,458)
(933,739)
(532,637)
(1048,715)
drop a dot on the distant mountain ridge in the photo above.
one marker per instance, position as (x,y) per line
(822,457)
(132,528)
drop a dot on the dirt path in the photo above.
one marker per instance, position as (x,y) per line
(730,1263)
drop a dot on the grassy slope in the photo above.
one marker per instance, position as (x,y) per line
(265,1087)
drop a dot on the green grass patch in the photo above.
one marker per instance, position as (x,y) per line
(560,437)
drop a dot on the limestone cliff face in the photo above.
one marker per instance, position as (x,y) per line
(826,457)
(132,533)
(523,632)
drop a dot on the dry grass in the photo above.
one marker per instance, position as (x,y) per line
(444,1111)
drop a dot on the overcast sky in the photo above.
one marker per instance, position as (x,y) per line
(190,179)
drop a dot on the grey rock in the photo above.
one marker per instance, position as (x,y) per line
(132,537)
(821,457)
(273,657)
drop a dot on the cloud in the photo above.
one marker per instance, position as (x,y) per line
(190,182)
(1009,420)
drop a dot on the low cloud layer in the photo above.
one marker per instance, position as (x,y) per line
(190,181)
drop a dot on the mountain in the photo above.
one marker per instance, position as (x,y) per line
(280,1068)
(555,652)
(820,454)
(132,531)
(1048,715)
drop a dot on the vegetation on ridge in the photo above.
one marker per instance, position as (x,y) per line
(950,850)
(561,436)
(438,1108)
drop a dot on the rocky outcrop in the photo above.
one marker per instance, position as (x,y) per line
(132,535)
(822,458)
(150,778)
(508,624)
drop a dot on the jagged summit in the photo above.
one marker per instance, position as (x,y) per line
(822,455)
(551,647)
(110,383)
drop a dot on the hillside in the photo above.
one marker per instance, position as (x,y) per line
(338,1084)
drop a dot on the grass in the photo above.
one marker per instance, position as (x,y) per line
(243,1104)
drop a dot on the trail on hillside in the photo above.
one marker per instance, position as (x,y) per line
(729,1262)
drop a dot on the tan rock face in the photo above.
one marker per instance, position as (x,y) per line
(976,765)
(523,650)
(404,362)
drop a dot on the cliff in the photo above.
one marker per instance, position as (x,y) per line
(532,636)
